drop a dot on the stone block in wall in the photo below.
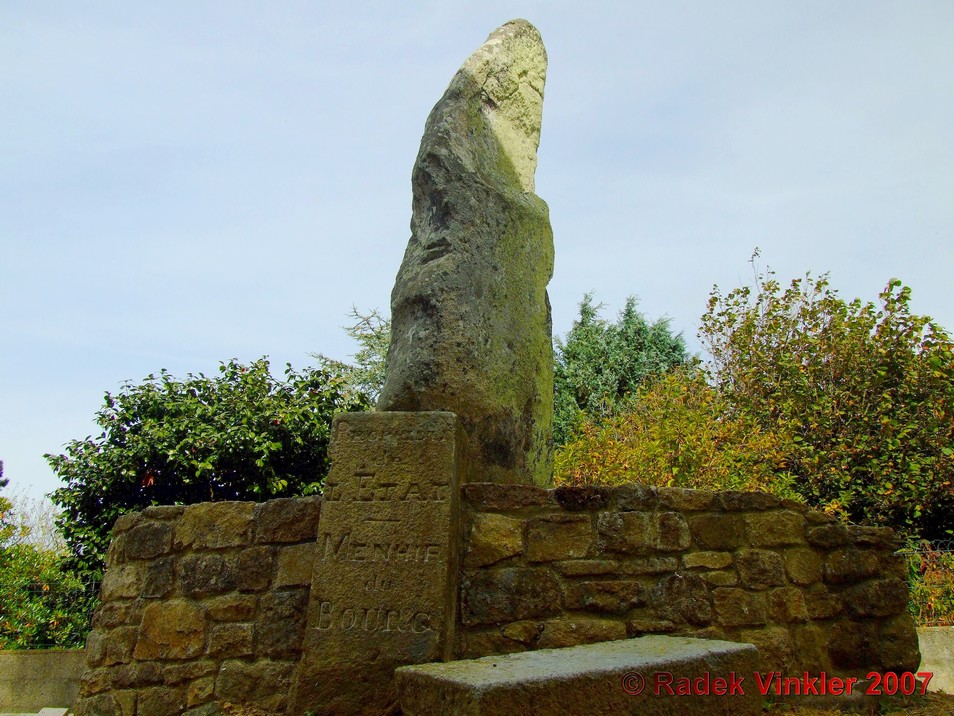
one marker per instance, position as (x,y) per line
(111,614)
(508,595)
(186,671)
(147,540)
(716,531)
(853,644)
(738,607)
(572,631)
(648,625)
(136,674)
(683,598)
(847,566)
(262,683)
(737,501)
(811,648)
(776,650)
(760,568)
(173,629)
(632,498)
(828,536)
(200,691)
(585,497)
(232,607)
(671,532)
(636,566)
(163,512)
(492,538)
(803,566)
(121,582)
(161,701)
(254,569)
(787,605)
(623,532)
(611,596)
(119,645)
(558,537)
(898,644)
(720,577)
(215,525)
(821,603)
(159,578)
(683,500)
(230,641)
(876,598)
(206,573)
(293,519)
(883,537)
(777,528)
(280,627)
(708,560)
(295,565)
(587,567)
(492,497)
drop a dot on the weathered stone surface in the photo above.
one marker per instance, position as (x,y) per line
(828,536)
(470,318)
(883,537)
(121,582)
(202,574)
(173,629)
(628,498)
(611,596)
(853,644)
(254,569)
(493,538)
(709,560)
(820,603)
(126,522)
(644,625)
(803,566)
(683,598)
(721,577)
(295,566)
(788,605)
(508,595)
(232,607)
(775,529)
(737,607)
(147,540)
(587,567)
(735,501)
(776,651)
(557,537)
(229,641)
(580,680)
(876,598)
(159,578)
(716,531)
(850,565)
(119,645)
(163,512)
(623,531)
(146,673)
(384,583)
(280,628)
(261,683)
(200,691)
(760,568)
(571,631)
(161,701)
(648,565)
(488,496)
(583,497)
(672,532)
(678,498)
(292,519)
(899,646)
(174,674)
(214,525)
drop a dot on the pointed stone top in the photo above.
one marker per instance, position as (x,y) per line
(501,88)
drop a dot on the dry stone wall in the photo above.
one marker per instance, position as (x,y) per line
(568,566)
(206,606)
(201,606)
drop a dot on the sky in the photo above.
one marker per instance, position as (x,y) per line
(190,181)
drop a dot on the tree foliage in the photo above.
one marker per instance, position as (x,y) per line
(241,435)
(364,378)
(599,363)
(675,432)
(862,393)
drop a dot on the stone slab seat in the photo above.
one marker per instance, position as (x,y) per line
(585,679)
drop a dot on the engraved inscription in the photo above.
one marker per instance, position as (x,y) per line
(366,487)
(333,616)
(345,549)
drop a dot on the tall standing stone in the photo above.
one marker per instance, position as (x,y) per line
(470,317)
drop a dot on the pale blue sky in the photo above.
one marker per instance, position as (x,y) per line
(184,182)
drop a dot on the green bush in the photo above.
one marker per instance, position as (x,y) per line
(241,435)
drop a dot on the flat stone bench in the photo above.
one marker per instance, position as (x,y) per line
(642,676)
